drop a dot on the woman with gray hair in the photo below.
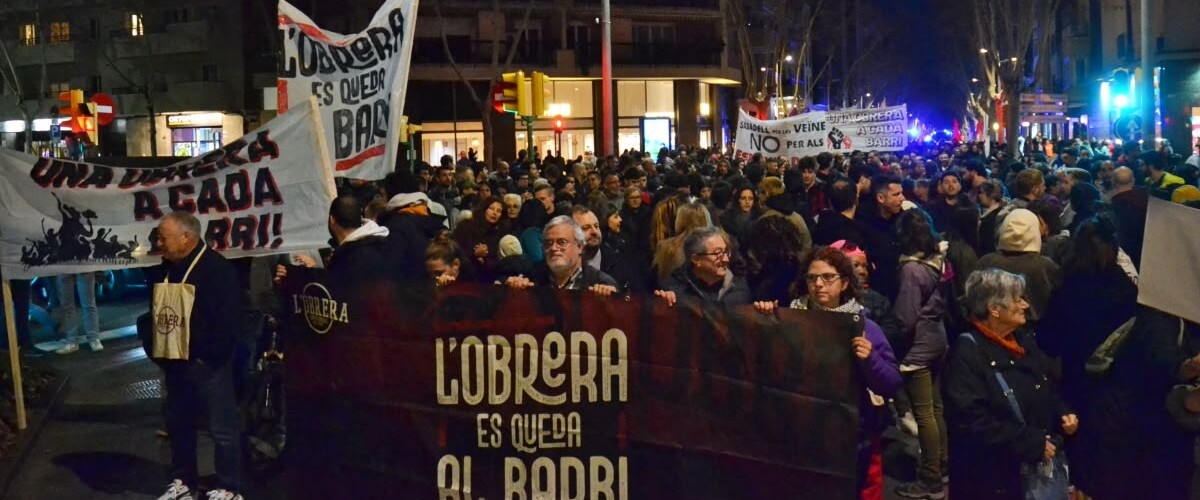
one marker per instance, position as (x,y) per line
(1005,414)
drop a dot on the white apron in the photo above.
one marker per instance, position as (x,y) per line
(172,311)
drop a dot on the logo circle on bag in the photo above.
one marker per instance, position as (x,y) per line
(166,320)
(319,308)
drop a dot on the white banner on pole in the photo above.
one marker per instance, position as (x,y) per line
(1170,274)
(807,134)
(265,193)
(359,81)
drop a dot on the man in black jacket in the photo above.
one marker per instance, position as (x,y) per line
(410,226)
(360,245)
(563,241)
(604,256)
(205,379)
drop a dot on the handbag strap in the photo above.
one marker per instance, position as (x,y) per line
(167,279)
(1008,392)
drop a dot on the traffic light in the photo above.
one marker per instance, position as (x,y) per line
(407,130)
(1122,91)
(541,90)
(558,125)
(516,93)
(82,114)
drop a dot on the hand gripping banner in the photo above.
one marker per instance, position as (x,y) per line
(482,392)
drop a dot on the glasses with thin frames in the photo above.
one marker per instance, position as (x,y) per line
(826,279)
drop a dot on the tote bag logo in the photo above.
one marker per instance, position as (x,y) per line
(319,308)
(167,320)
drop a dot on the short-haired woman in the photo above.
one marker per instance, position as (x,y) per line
(1005,412)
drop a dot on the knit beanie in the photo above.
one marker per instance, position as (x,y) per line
(509,246)
(1020,232)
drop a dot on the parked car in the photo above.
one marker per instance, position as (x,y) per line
(110,286)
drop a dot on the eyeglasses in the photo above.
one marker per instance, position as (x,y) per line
(719,254)
(827,279)
(560,243)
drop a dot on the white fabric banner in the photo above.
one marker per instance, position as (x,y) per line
(812,133)
(359,81)
(1170,273)
(265,193)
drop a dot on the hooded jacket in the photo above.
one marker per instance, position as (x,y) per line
(781,206)
(1019,247)
(921,308)
(410,224)
(1130,207)
(685,284)
(359,257)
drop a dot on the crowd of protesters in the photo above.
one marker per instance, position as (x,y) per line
(989,282)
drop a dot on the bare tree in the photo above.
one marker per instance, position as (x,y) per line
(28,107)
(1013,38)
(485,105)
(777,25)
(146,73)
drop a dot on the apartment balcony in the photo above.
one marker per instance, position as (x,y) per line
(171,38)
(52,53)
(468,52)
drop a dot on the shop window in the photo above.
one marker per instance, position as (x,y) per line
(60,32)
(29,34)
(631,98)
(573,98)
(190,142)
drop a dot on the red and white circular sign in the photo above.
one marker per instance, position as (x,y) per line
(105,108)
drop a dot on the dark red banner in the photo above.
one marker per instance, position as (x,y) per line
(486,393)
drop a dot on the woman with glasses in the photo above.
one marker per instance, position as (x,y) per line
(830,283)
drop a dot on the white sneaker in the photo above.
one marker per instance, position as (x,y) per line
(68,349)
(96,345)
(222,495)
(178,491)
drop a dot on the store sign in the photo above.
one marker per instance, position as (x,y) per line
(195,120)
(359,80)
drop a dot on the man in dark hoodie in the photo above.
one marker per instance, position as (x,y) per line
(359,246)
(838,222)
(878,222)
(410,226)
(779,204)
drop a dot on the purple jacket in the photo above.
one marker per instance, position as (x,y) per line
(881,373)
(921,308)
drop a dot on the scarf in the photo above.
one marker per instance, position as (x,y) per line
(1009,344)
(418,209)
(850,307)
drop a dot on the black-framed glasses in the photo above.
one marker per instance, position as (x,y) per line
(827,278)
(560,243)
(716,255)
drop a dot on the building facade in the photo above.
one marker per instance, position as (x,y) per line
(179,65)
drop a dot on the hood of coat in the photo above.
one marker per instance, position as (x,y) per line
(1020,232)
(368,229)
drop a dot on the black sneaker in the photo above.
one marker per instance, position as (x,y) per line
(920,491)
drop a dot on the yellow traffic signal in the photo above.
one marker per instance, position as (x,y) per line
(407,130)
(541,93)
(73,98)
(516,92)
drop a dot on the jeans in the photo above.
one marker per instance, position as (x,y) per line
(67,285)
(926,399)
(193,386)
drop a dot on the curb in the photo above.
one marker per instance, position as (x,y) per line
(11,465)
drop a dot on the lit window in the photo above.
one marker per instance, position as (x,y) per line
(60,32)
(29,34)
(136,28)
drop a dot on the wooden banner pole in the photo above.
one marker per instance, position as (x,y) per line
(14,355)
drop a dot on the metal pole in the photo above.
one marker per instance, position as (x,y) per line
(606,82)
(14,353)
(1146,100)
(529,135)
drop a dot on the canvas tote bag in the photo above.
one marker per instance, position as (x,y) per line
(172,310)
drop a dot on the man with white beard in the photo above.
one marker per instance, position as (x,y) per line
(563,242)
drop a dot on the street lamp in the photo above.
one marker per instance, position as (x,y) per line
(787,58)
(868,94)
(983,51)
(1013,59)
(974,80)
(763,69)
